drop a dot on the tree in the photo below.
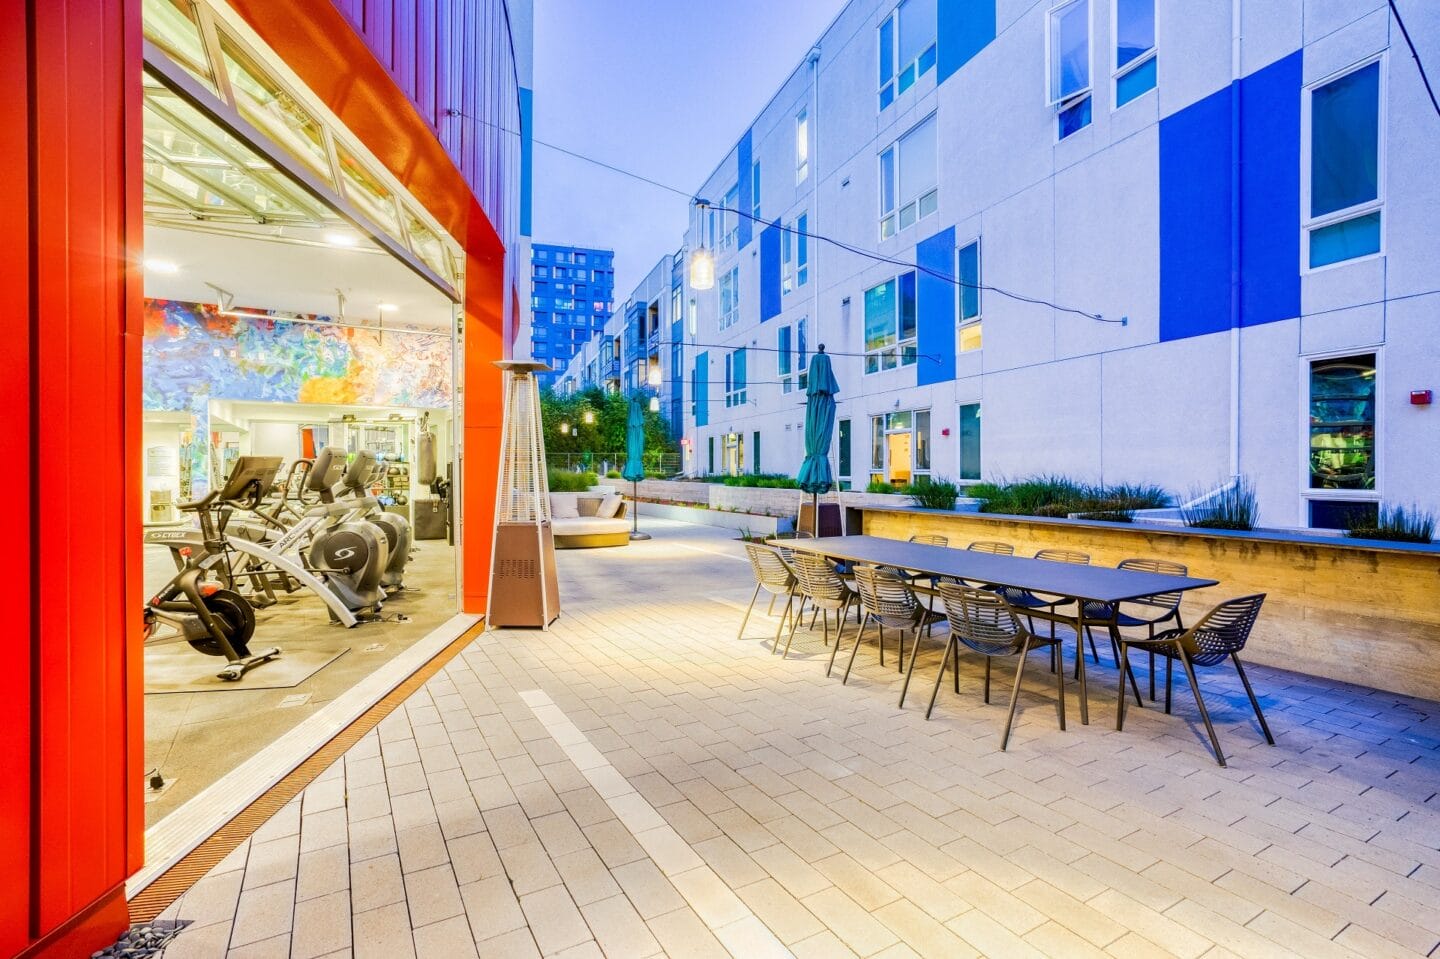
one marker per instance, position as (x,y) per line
(589,443)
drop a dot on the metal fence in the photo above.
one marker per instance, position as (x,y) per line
(656,462)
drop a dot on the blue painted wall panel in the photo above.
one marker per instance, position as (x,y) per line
(743,156)
(1195,167)
(964,28)
(935,309)
(700,389)
(770,272)
(1270,193)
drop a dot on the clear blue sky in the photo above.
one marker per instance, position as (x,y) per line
(660,87)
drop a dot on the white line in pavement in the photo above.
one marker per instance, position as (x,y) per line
(737,928)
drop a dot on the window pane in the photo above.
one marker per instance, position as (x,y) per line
(1345,241)
(887,50)
(907,306)
(265,103)
(887,181)
(1345,141)
(919,170)
(970,281)
(844,441)
(783,365)
(1070,50)
(1342,423)
(887,95)
(917,28)
(170,25)
(970,337)
(1075,118)
(922,440)
(877,443)
(1138,81)
(1134,29)
(802,241)
(880,315)
(970,441)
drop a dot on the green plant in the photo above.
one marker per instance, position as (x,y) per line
(880,486)
(564,481)
(1062,496)
(761,481)
(933,493)
(613,474)
(1395,523)
(1233,507)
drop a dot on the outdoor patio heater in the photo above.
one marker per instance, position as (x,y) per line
(524,590)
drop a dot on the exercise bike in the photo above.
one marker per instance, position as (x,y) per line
(363,472)
(213,619)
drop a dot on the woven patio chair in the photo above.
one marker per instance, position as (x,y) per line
(984,622)
(1023,599)
(891,602)
(823,587)
(1219,635)
(1147,612)
(992,546)
(774,575)
(926,539)
(930,539)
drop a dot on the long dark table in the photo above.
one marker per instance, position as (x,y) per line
(1080,584)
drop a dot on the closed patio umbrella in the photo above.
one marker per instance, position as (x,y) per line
(634,470)
(815,477)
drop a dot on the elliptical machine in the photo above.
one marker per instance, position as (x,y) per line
(212,619)
(351,554)
(363,471)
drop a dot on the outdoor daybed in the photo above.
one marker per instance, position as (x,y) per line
(583,520)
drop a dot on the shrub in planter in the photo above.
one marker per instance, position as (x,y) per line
(933,493)
(880,486)
(613,474)
(564,481)
(1394,523)
(1234,507)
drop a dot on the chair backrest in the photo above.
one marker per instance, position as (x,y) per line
(992,546)
(771,570)
(981,619)
(1064,556)
(930,539)
(1222,631)
(819,580)
(1163,566)
(887,597)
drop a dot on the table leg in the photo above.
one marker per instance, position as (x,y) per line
(1080,660)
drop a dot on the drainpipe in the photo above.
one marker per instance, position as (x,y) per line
(1236,212)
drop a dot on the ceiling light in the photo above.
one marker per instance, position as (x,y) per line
(160,266)
(342,239)
(388,307)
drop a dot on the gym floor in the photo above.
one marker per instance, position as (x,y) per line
(198,734)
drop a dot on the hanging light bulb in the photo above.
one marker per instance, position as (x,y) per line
(654,404)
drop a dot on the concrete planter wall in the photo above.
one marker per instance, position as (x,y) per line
(752,523)
(1342,609)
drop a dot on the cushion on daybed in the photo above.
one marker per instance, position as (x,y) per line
(610,505)
(564,506)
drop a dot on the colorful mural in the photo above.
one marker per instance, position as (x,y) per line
(193,354)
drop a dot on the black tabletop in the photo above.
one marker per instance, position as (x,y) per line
(1103,584)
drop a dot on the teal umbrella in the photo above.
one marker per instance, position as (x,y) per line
(634,470)
(815,477)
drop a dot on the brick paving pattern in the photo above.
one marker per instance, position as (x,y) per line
(638,782)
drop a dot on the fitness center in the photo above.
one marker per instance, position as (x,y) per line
(299,424)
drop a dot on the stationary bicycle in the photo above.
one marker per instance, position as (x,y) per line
(212,619)
(362,473)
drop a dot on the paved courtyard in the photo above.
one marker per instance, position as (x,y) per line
(638,782)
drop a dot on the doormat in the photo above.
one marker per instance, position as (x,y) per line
(177,668)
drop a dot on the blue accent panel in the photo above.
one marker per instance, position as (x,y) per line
(963,29)
(527,149)
(1195,166)
(935,328)
(1197,187)
(700,389)
(1270,192)
(770,272)
(744,155)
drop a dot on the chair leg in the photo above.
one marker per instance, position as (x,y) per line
(753,596)
(841,619)
(1125,671)
(1169,662)
(1015,693)
(1060,696)
(955,666)
(836,648)
(795,618)
(813,616)
(1264,726)
(900,664)
(825,624)
(950,650)
(856,648)
(988,660)
(914,655)
(1200,704)
(784,615)
(1094,653)
(882,646)
(1124,668)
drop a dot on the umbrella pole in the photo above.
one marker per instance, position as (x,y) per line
(815,515)
(635,517)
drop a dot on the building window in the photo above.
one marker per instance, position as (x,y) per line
(677,310)
(968,273)
(802,146)
(900,446)
(802,250)
(755,452)
(787,260)
(711,444)
(735,378)
(783,368)
(730,220)
(890,324)
(1342,423)
(1134,49)
(730,298)
(907,47)
(1345,201)
(542,272)
(755,190)
(844,451)
(970,441)
(909,176)
(802,360)
(580,258)
(1069,40)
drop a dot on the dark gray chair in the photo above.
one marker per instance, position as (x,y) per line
(1147,612)
(820,583)
(891,602)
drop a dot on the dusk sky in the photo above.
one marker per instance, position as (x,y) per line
(661,88)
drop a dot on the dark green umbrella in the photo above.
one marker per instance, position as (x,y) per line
(634,470)
(815,477)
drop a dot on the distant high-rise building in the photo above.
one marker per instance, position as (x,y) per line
(572,293)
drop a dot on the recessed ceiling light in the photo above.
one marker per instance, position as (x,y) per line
(160,266)
(388,307)
(342,239)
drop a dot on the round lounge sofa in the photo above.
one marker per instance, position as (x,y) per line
(587,520)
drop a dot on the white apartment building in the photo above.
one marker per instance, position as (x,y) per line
(1133,241)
